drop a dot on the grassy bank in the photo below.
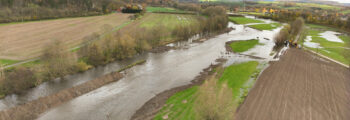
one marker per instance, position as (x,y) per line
(270,26)
(33,109)
(330,49)
(244,45)
(244,20)
(164,10)
(5,62)
(181,105)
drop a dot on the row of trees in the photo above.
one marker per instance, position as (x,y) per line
(57,62)
(314,16)
(26,10)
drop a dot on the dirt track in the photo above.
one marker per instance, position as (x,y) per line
(25,40)
(301,86)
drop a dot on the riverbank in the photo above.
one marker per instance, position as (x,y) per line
(33,109)
(154,105)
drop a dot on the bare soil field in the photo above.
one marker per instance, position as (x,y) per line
(26,40)
(301,86)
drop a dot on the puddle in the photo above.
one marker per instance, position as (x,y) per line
(331,36)
(310,44)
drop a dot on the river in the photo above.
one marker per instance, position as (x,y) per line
(162,71)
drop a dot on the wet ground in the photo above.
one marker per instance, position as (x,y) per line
(54,86)
(331,36)
(161,72)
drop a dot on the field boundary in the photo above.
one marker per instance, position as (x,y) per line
(325,57)
(71,49)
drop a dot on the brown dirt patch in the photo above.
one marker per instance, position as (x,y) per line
(151,107)
(301,86)
(26,40)
(33,109)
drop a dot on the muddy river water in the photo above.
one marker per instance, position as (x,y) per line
(162,71)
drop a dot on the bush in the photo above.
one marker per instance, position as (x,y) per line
(297,26)
(214,102)
(18,80)
(81,66)
(93,54)
(125,47)
(281,37)
(57,60)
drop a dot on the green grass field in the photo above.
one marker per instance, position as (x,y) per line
(7,62)
(244,20)
(242,46)
(252,13)
(330,49)
(345,12)
(169,21)
(235,76)
(164,9)
(265,26)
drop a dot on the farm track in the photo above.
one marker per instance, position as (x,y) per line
(26,40)
(301,86)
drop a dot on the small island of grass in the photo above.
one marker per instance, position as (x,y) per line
(242,46)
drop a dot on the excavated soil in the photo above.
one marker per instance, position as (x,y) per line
(301,86)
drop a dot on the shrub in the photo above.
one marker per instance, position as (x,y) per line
(297,26)
(57,60)
(214,102)
(81,66)
(125,47)
(281,37)
(18,80)
(93,54)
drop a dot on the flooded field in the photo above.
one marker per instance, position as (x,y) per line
(54,86)
(161,72)
(331,36)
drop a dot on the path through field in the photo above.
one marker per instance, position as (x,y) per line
(301,86)
(26,40)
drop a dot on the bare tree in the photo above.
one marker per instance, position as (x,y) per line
(281,37)
(58,60)
(297,26)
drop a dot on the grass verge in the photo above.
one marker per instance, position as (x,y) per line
(5,62)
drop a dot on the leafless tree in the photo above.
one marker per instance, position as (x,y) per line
(297,26)
(58,60)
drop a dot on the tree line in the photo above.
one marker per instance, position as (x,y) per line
(28,10)
(57,62)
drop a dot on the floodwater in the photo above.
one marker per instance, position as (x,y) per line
(162,71)
(310,44)
(56,85)
(331,36)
